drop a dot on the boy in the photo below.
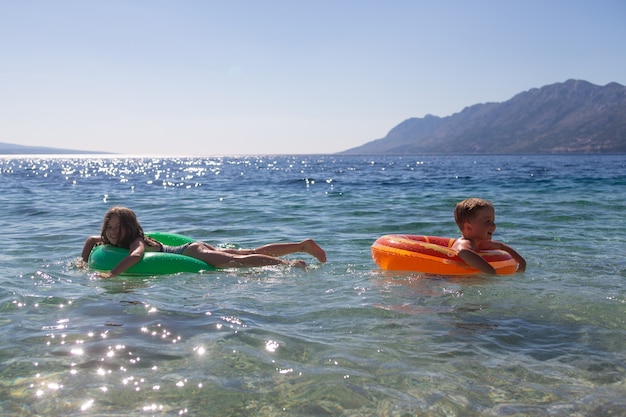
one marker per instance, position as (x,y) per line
(476,220)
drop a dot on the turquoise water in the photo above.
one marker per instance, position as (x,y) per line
(338,339)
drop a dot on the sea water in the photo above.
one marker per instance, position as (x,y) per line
(337,339)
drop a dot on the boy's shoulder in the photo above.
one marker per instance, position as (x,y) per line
(462,243)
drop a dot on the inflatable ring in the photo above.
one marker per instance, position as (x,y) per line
(106,257)
(432,255)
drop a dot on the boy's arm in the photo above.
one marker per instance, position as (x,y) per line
(521,262)
(464,250)
(474,259)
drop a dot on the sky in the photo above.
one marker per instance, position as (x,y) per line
(249,77)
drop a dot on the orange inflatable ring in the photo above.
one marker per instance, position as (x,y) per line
(432,255)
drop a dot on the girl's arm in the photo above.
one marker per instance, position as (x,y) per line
(136,251)
(89,245)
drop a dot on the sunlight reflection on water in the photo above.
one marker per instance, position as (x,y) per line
(338,339)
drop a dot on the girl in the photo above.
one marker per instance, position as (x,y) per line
(121,228)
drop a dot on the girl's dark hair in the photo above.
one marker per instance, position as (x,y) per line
(128,222)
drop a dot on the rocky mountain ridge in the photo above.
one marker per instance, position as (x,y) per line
(571,117)
(13,149)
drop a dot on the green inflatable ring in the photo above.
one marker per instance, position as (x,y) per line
(106,257)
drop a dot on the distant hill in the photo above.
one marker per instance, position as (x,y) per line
(571,117)
(11,149)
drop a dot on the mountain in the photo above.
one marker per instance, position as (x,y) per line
(571,117)
(11,149)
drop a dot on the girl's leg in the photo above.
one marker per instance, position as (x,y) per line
(279,249)
(222,259)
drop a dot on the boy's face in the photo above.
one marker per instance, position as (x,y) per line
(482,226)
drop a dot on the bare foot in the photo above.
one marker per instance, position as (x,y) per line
(309,246)
(298,264)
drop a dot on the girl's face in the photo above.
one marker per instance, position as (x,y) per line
(483,225)
(114,231)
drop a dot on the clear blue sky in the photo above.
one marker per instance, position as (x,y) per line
(278,77)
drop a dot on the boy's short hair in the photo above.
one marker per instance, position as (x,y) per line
(467,209)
